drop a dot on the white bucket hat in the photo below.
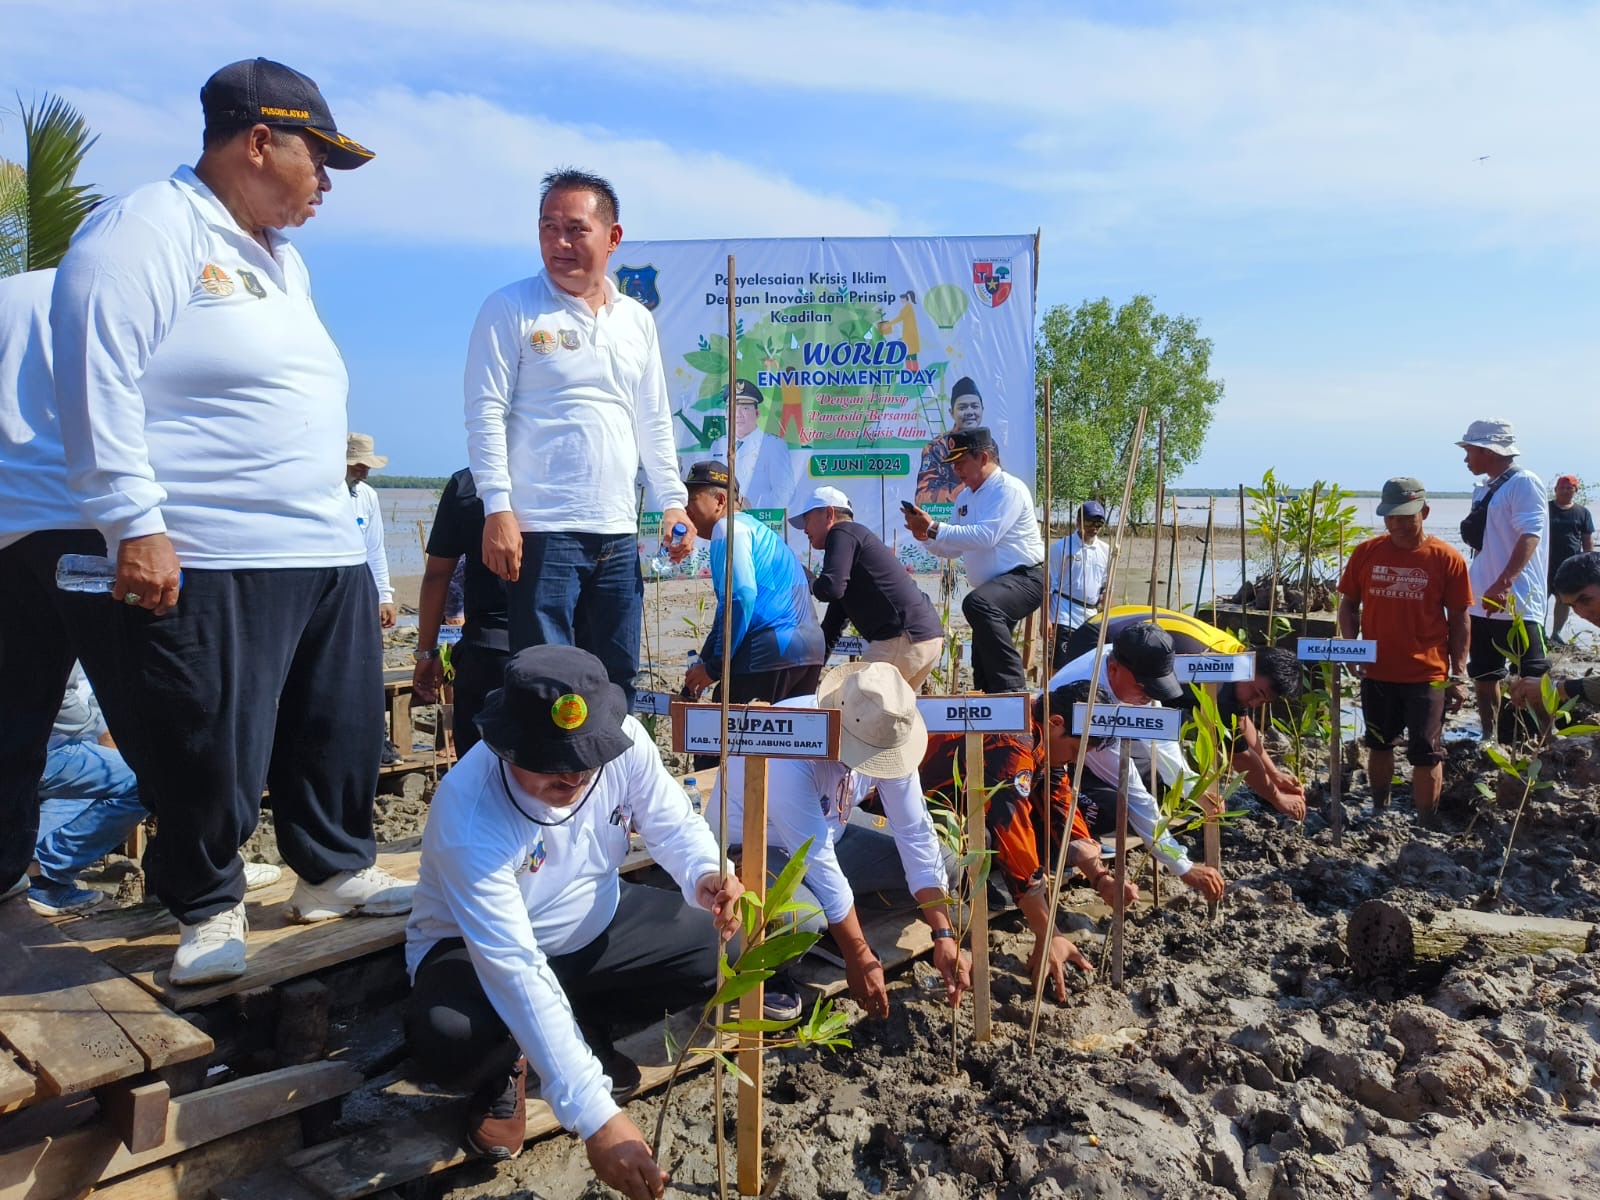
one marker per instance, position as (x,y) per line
(882,732)
(360,448)
(822,497)
(1493,435)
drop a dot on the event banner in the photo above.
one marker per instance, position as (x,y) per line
(856,357)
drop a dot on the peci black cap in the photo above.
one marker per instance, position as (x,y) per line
(709,473)
(258,91)
(556,712)
(971,441)
(744,390)
(1145,649)
(964,387)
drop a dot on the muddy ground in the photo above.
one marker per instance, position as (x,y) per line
(1243,1058)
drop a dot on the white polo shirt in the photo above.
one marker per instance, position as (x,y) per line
(33,467)
(992,530)
(517,881)
(1519,507)
(1077,573)
(200,394)
(564,406)
(369,519)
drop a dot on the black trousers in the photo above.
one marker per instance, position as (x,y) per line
(657,955)
(258,678)
(478,671)
(44,630)
(992,610)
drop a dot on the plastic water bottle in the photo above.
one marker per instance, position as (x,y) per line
(662,563)
(85,573)
(691,789)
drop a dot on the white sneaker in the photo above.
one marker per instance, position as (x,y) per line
(369,892)
(260,875)
(211,951)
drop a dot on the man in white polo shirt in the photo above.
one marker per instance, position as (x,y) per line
(361,457)
(566,401)
(996,536)
(203,417)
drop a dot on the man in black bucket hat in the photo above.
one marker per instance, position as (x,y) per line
(524,944)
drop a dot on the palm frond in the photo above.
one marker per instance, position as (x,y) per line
(57,140)
(13,218)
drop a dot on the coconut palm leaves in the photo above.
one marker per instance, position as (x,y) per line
(40,205)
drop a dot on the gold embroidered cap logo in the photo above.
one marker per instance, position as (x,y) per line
(569,711)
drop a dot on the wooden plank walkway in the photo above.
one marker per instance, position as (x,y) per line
(139,942)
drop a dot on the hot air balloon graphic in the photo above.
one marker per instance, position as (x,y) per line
(945,304)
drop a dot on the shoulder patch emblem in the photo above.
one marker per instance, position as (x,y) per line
(543,341)
(1023,783)
(215,280)
(569,339)
(535,858)
(252,284)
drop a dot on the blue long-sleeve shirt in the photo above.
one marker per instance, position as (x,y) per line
(774,625)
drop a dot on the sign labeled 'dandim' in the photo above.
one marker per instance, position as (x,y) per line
(1336,650)
(1214,668)
(1142,722)
(1000,712)
(756,729)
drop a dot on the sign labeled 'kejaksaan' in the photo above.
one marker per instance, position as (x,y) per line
(756,729)
(1142,722)
(999,712)
(1336,650)
(850,646)
(1214,668)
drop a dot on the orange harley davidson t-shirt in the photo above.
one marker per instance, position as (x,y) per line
(1403,596)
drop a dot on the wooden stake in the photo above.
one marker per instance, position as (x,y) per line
(1336,758)
(753,874)
(1119,906)
(1212,835)
(1305,574)
(977,838)
(1135,445)
(1244,559)
(1272,602)
(1174,569)
(1155,524)
(1205,561)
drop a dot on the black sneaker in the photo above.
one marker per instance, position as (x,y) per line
(781,999)
(390,755)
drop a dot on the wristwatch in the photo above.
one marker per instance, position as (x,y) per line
(424,655)
(933,529)
(944,933)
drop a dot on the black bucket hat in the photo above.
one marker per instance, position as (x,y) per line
(557,712)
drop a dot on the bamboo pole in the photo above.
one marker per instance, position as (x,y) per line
(1047,665)
(726,685)
(1244,558)
(1205,560)
(1272,601)
(1155,523)
(1174,566)
(1305,573)
(1135,445)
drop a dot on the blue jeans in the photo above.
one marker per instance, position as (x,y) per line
(90,803)
(584,590)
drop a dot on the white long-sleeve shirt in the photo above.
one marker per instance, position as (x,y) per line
(993,530)
(564,406)
(33,467)
(369,518)
(1077,575)
(803,801)
(515,891)
(1519,507)
(1143,810)
(200,394)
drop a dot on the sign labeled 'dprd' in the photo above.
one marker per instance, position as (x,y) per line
(1214,668)
(756,729)
(999,712)
(1336,650)
(1141,722)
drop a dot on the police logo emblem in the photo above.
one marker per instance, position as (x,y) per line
(543,341)
(252,284)
(569,339)
(215,280)
(962,511)
(639,283)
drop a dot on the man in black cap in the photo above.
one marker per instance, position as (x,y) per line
(524,944)
(937,481)
(203,418)
(766,474)
(1137,669)
(996,535)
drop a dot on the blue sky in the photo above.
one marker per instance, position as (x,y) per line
(1386,216)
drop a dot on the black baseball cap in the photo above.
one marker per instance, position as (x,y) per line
(1145,649)
(971,441)
(258,91)
(745,390)
(709,473)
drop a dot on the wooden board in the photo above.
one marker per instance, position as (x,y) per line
(140,941)
(66,1165)
(16,1085)
(193,1174)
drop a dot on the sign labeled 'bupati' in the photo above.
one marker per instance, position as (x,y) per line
(1142,722)
(1336,650)
(1214,668)
(999,712)
(756,729)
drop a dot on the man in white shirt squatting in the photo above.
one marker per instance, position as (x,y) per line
(996,535)
(203,414)
(524,944)
(881,745)
(360,459)
(566,400)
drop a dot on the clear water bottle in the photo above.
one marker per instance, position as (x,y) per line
(85,573)
(691,789)
(662,563)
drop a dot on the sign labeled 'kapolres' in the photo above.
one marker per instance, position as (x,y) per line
(1142,722)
